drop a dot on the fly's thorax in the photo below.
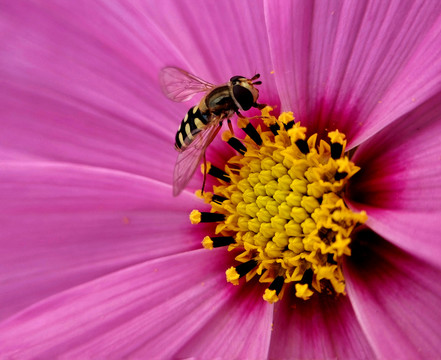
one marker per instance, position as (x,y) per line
(194,121)
(219,102)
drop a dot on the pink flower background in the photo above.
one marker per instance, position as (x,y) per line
(98,260)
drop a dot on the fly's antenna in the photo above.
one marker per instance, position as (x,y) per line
(255,77)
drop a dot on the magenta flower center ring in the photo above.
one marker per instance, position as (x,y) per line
(280,203)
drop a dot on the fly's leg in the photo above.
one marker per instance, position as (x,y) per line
(205,160)
(205,174)
(240,115)
(230,126)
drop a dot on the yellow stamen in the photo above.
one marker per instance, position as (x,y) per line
(207,243)
(303,292)
(270,296)
(232,276)
(195,217)
(226,135)
(242,122)
(284,208)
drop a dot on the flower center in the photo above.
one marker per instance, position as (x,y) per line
(280,202)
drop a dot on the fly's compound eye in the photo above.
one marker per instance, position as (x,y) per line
(243,96)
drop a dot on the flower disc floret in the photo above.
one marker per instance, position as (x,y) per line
(280,201)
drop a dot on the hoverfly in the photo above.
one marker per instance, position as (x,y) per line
(203,121)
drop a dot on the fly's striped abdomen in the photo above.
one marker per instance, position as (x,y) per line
(194,122)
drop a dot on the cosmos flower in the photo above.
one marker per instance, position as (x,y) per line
(99,260)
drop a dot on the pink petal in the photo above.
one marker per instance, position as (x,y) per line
(158,309)
(241,329)
(63,225)
(79,85)
(415,232)
(400,166)
(320,328)
(398,184)
(345,64)
(396,299)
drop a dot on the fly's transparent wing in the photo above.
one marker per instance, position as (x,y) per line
(189,159)
(179,85)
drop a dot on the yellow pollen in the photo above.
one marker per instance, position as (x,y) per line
(303,292)
(195,217)
(283,209)
(270,296)
(207,243)
(232,276)
(226,135)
